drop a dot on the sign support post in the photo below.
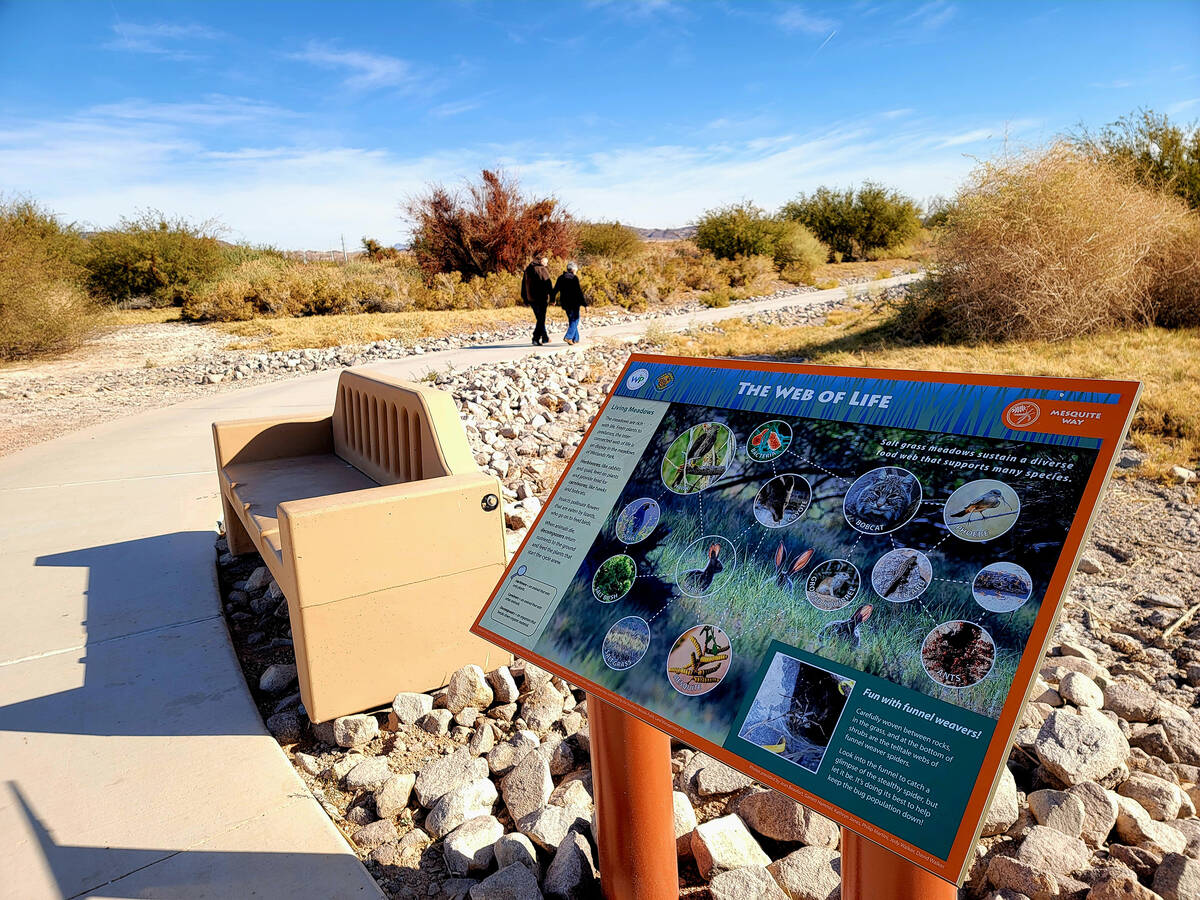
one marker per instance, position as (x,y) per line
(871,872)
(635,823)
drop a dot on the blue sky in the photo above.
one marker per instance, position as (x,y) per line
(296,123)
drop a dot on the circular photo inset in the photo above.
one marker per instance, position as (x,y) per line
(833,584)
(626,643)
(901,575)
(981,510)
(698,660)
(782,500)
(882,500)
(1001,587)
(769,441)
(637,520)
(698,458)
(958,654)
(614,578)
(705,565)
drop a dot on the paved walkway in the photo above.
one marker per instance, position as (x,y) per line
(133,762)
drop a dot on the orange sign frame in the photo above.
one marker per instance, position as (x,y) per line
(1110,424)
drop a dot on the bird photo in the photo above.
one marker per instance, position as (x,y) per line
(637,520)
(982,510)
(697,458)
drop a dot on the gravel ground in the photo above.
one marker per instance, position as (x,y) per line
(1101,802)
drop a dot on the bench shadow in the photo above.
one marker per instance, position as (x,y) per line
(158,661)
(190,873)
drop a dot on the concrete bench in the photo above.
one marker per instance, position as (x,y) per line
(379,528)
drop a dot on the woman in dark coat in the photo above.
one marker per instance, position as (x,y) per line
(536,292)
(568,294)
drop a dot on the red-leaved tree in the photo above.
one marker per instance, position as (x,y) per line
(489,227)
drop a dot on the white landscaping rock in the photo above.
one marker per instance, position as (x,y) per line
(1077,688)
(516,848)
(503,685)
(572,874)
(1157,796)
(410,706)
(548,826)
(781,818)
(1048,850)
(527,787)
(1004,811)
(1058,810)
(443,775)
(369,774)
(476,798)
(723,844)
(469,847)
(354,731)
(506,754)
(744,883)
(1135,827)
(1100,811)
(514,882)
(810,873)
(685,822)
(392,797)
(468,687)
(1074,748)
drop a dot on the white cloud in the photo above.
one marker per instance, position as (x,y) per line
(930,16)
(109,162)
(797,18)
(366,71)
(447,110)
(161,39)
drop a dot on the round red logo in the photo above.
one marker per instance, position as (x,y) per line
(1022,414)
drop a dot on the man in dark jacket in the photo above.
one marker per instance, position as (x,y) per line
(536,289)
(568,293)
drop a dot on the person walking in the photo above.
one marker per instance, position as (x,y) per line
(536,293)
(568,293)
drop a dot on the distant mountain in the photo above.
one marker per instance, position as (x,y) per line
(665,234)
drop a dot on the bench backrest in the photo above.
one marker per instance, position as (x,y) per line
(395,431)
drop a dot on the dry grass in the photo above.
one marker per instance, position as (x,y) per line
(1167,423)
(117,318)
(362,328)
(1052,244)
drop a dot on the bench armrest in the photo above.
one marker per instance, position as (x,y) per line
(348,544)
(273,437)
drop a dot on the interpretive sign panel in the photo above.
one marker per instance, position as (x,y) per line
(839,581)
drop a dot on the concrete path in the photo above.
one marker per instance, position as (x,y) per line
(133,762)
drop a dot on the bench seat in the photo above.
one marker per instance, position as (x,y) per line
(380,530)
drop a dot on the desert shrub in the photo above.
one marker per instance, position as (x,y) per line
(377,252)
(716,299)
(43,308)
(153,257)
(1052,244)
(740,229)
(1158,153)
(610,240)
(278,287)
(798,251)
(624,283)
(855,221)
(749,274)
(491,227)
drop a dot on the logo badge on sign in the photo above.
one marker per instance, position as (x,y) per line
(664,380)
(1022,414)
(637,378)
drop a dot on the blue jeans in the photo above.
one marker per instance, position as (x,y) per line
(572,329)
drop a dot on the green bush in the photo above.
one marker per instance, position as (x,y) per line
(798,250)
(854,222)
(740,229)
(1158,153)
(43,308)
(153,259)
(610,240)
(749,274)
